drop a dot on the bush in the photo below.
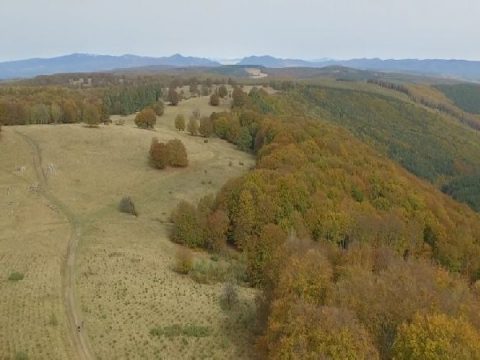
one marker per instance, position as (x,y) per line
(210,272)
(16,276)
(183,261)
(159,154)
(214,100)
(173,153)
(159,108)
(229,296)
(127,206)
(177,153)
(146,119)
(206,126)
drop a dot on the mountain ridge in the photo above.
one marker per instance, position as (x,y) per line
(466,69)
(79,62)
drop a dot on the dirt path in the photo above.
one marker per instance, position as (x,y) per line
(78,337)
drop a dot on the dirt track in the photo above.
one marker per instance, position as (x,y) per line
(78,337)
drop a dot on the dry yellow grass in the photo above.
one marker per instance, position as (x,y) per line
(33,240)
(125,284)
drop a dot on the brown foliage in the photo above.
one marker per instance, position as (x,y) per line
(146,119)
(177,153)
(173,97)
(173,153)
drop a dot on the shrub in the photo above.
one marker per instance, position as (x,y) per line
(159,154)
(127,206)
(146,119)
(214,100)
(180,122)
(173,153)
(16,276)
(159,108)
(183,261)
(209,272)
(206,126)
(229,296)
(177,153)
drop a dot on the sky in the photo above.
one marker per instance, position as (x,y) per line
(221,29)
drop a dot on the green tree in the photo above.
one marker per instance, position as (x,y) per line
(222,91)
(186,229)
(55,113)
(244,140)
(39,114)
(206,127)
(193,126)
(91,115)
(70,112)
(180,122)
(239,97)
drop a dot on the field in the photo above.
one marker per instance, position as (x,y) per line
(67,231)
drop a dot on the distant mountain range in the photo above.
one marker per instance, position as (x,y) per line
(447,68)
(469,70)
(93,63)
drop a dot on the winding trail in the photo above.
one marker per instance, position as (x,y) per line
(78,338)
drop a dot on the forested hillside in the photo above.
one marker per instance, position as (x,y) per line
(465,96)
(428,144)
(335,234)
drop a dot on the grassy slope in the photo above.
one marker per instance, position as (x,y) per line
(124,279)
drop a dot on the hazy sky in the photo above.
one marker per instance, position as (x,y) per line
(229,29)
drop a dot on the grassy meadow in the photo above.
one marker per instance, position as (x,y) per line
(125,284)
